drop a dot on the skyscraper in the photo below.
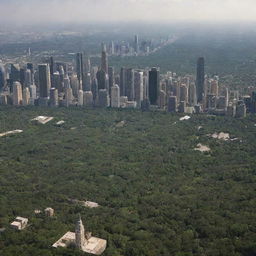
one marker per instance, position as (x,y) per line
(44,80)
(115,96)
(79,67)
(138,87)
(200,79)
(129,84)
(2,77)
(104,59)
(17,94)
(102,79)
(80,234)
(172,104)
(153,84)
(136,44)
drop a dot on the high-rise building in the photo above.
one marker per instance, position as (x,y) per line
(103,98)
(79,67)
(115,96)
(122,81)
(200,79)
(25,96)
(56,81)
(80,98)
(87,83)
(17,94)
(184,93)
(68,97)
(162,99)
(192,94)
(153,84)
(54,100)
(32,89)
(129,84)
(138,87)
(44,80)
(28,78)
(95,90)
(136,44)
(88,99)
(15,72)
(111,75)
(102,79)
(172,104)
(2,77)
(104,60)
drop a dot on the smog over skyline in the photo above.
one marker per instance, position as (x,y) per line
(50,11)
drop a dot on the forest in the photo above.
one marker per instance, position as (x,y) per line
(157,195)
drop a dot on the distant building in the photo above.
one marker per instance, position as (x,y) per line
(200,79)
(88,99)
(54,99)
(138,87)
(172,104)
(103,98)
(104,59)
(153,84)
(44,80)
(2,77)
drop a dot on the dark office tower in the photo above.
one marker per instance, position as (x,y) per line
(153,85)
(87,82)
(200,79)
(102,79)
(111,77)
(104,59)
(172,104)
(52,69)
(15,72)
(95,90)
(79,66)
(122,81)
(129,84)
(2,77)
(87,65)
(136,44)
(44,80)
(56,81)
(22,76)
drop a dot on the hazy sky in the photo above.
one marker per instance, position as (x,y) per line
(114,10)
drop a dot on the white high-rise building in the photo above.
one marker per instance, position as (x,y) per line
(80,235)
(17,94)
(54,99)
(25,96)
(138,87)
(80,98)
(28,78)
(68,97)
(115,96)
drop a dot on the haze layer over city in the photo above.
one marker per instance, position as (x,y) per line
(127,128)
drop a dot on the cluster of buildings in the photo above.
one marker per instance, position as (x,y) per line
(137,47)
(64,84)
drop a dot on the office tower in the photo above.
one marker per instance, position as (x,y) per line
(104,60)
(162,99)
(94,71)
(240,109)
(200,79)
(123,101)
(115,96)
(153,85)
(95,90)
(88,99)
(192,94)
(111,76)
(32,89)
(214,87)
(54,99)
(22,76)
(62,74)
(66,82)
(176,90)
(79,67)
(87,83)
(136,44)
(112,48)
(184,93)
(2,77)
(28,78)
(68,97)
(172,104)
(52,68)
(56,81)
(74,85)
(44,80)
(87,65)
(103,98)
(145,105)
(211,101)
(25,96)
(122,81)
(15,73)
(102,79)
(80,234)
(17,94)
(80,100)
(138,87)
(129,84)
(31,68)
(227,96)
(145,86)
